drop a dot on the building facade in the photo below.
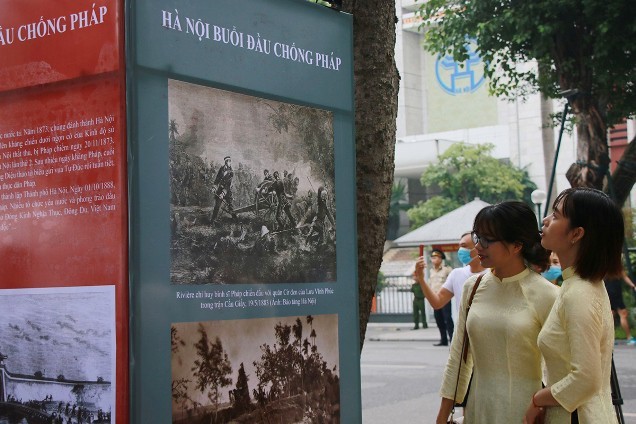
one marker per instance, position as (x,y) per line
(441,102)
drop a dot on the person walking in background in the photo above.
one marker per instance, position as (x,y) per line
(455,281)
(510,304)
(444,315)
(586,231)
(614,287)
(419,312)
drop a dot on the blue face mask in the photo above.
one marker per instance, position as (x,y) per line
(552,273)
(464,255)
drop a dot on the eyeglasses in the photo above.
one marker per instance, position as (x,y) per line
(483,241)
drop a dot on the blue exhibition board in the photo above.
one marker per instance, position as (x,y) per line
(242,198)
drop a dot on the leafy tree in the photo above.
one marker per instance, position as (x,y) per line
(292,366)
(397,204)
(278,364)
(180,392)
(431,209)
(584,45)
(174,130)
(315,130)
(466,171)
(381,282)
(79,391)
(241,394)
(212,368)
(175,340)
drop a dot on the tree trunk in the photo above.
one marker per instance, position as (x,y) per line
(593,160)
(376,88)
(592,152)
(624,176)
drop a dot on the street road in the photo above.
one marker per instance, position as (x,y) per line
(402,370)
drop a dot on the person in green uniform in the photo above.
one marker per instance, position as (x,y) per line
(419,314)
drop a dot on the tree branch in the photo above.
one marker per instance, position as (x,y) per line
(624,176)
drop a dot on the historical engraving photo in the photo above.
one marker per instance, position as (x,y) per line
(252,186)
(268,370)
(57,355)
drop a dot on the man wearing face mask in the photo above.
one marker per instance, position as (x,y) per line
(553,274)
(457,277)
(436,278)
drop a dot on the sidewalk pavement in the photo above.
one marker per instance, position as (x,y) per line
(399,332)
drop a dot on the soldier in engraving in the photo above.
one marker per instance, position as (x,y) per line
(283,201)
(267,177)
(317,230)
(223,190)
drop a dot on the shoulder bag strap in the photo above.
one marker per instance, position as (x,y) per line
(465,342)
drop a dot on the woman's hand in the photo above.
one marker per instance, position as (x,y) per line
(445,408)
(534,414)
(420,264)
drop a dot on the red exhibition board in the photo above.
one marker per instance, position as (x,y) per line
(46,41)
(63,208)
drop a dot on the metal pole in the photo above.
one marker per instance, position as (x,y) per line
(617,398)
(556,157)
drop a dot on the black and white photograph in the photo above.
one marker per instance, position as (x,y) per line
(252,189)
(266,370)
(57,355)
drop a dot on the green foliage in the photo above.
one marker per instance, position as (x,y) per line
(466,171)
(381,284)
(583,44)
(431,209)
(397,203)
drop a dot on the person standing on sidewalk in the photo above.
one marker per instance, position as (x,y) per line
(455,281)
(444,315)
(419,312)
(586,230)
(614,287)
(510,304)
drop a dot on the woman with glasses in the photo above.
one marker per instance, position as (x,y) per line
(509,307)
(586,231)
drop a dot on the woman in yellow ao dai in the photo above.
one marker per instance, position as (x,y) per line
(586,231)
(508,310)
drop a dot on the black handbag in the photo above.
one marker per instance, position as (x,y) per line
(464,355)
(463,403)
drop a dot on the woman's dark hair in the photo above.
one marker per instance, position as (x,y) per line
(513,222)
(602,242)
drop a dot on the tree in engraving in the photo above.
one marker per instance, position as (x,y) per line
(241,394)
(212,368)
(314,128)
(295,366)
(180,386)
